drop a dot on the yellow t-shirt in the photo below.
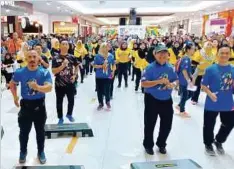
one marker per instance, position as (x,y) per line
(172,58)
(47,54)
(203,60)
(232,56)
(20,58)
(80,51)
(122,56)
(139,63)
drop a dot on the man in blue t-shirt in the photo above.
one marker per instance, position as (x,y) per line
(218,85)
(104,64)
(35,81)
(158,81)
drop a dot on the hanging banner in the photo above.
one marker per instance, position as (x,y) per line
(132,30)
(152,30)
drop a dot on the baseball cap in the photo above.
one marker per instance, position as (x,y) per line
(160,48)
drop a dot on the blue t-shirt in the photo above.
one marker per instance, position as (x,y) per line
(155,71)
(219,79)
(24,75)
(100,72)
(185,64)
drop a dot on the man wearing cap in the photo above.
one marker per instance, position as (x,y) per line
(158,80)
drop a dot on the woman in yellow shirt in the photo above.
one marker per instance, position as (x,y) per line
(21,55)
(133,53)
(231,44)
(215,44)
(140,63)
(45,50)
(122,55)
(80,53)
(174,52)
(203,59)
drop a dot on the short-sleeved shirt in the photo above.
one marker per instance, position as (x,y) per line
(64,77)
(24,76)
(100,72)
(185,64)
(219,79)
(155,71)
(45,59)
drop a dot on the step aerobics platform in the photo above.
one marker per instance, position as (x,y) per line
(172,164)
(50,167)
(68,128)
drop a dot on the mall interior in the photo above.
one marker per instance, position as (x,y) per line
(144,84)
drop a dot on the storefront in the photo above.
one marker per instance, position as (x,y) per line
(219,23)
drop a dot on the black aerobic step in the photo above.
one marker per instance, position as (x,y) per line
(172,164)
(68,128)
(51,167)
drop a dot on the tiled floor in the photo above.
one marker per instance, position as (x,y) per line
(118,134)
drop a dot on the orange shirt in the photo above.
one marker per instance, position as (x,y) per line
(14,46)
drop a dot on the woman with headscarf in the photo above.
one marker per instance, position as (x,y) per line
(203,59)
(105,66)
(89,48)
(21,55)
(45,50)
(174,52)
(150,57)
(133,53)
(139,63)
(122,55)
(80,53)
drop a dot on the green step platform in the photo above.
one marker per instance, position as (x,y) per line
(50,167)
(172,164)
(68,128)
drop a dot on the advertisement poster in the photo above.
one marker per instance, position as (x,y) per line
(132,30)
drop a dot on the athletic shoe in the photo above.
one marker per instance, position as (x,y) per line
(41,157)
(22,158)
(60,122)
(70,118)
(210,150)
(185,114)
(219,148)
(162,150)
(194,103)
(149,151)
(119,86)
(108,105)
(100,107)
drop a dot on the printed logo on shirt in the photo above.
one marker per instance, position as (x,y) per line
(162,86)
(30,91)
(226,82)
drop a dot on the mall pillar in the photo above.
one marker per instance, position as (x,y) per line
(13,25)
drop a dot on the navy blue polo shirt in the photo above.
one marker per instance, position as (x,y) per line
(155,71)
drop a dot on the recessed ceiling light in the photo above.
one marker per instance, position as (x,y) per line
(7,10)
(48,3)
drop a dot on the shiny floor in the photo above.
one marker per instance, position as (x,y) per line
(118,133)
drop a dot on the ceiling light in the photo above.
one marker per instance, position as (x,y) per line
(7,10)
(48,3)
(58,7)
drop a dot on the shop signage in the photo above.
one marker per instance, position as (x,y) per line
(131,30)
(7,3)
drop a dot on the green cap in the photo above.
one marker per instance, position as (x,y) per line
(160,47)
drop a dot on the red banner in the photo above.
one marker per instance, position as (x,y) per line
(228,31)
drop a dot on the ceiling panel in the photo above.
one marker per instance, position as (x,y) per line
(133,4)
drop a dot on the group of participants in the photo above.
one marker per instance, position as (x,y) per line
(157,65)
